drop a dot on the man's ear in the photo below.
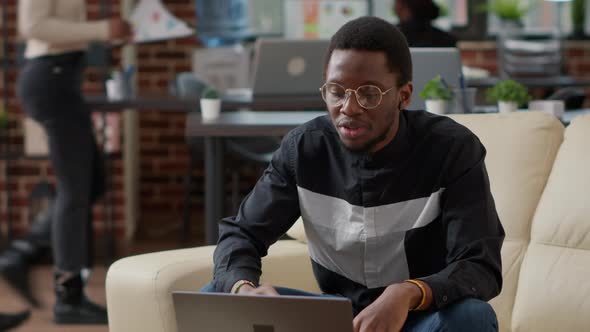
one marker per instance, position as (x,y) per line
(405,94)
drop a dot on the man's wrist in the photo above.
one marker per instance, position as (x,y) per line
(241,283)
(424,300)
(406,294)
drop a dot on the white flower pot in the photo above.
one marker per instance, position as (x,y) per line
(210,109)
(436,106)
(507,106)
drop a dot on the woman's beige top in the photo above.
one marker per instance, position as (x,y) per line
(57,26)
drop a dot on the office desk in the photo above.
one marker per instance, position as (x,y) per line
(530,82)
(173,103)
(233,124)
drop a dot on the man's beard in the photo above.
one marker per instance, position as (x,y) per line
(367,147)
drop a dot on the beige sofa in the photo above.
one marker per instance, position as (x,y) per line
(540,178)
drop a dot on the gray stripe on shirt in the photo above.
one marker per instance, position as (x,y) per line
(363,244)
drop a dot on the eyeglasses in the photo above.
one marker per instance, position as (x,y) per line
(367,96)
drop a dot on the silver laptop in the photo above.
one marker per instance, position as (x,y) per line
(429,62)
(289,67)
(220,312)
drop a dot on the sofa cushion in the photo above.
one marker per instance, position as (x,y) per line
(563,214)
(521,149)
(297,231)
(553,289)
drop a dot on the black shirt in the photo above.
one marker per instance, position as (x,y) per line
(423,34)
(420,207)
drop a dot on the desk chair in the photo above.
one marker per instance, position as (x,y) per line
(257,149)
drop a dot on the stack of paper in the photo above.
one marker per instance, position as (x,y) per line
(153,22)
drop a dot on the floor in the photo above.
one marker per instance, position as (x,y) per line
(41,319)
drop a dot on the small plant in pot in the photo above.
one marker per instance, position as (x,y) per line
(210,104)
(437,93)
(511,11)
(508,94)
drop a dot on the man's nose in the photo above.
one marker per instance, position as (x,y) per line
(351,106)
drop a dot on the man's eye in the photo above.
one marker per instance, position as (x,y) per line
(336,92)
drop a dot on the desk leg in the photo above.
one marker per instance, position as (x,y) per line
(214,187)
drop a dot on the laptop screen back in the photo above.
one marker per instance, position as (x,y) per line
(289,67)
(429,62)
(219,312)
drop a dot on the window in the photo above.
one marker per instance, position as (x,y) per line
(545,15)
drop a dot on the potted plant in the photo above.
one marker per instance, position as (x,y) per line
(210,104)
(578,14)
(507,10)
(508,94)
(437,93)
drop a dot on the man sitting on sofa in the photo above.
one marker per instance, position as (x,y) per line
(396,205)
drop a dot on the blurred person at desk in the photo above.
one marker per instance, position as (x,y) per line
(57,33)
(415,21)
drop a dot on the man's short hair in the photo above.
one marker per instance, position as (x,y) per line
(370,33)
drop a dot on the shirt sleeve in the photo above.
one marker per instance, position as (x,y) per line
(473,229)
(37,21)
(265,215)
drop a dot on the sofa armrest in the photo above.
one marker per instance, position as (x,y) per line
(139,288)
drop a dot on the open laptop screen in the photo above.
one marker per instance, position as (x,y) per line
(220,312)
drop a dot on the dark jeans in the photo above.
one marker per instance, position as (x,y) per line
(464,316)
(49,89)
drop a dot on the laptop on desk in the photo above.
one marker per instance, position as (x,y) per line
(427,62)
(220,312)
(285,68)
(293,68)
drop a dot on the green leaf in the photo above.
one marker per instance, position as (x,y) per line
(578,11)
(508,90)
(510,10)
(436,88)
(210,93)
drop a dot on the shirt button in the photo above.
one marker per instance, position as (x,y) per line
(445,298)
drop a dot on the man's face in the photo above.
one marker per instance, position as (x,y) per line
(361,129)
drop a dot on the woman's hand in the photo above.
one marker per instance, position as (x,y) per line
(119,30)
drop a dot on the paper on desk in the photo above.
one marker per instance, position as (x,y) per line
(153,22)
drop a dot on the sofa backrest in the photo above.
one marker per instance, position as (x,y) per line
(553,290)
(521,149)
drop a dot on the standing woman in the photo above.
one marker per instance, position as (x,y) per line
(49,88)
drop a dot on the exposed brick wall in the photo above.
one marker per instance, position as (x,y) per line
(163,152)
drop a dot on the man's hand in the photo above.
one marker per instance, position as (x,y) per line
(260,290)
(390,310)
(119,30)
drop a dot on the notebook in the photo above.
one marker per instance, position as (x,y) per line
(221,312)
